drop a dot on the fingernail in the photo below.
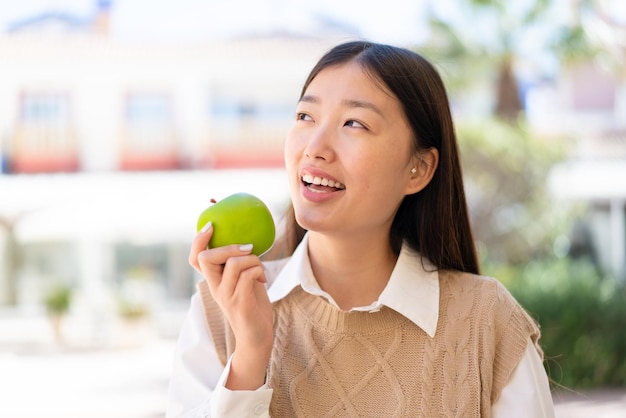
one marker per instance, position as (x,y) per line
(206,227)
(245,248)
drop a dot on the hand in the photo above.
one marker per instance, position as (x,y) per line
(236,279)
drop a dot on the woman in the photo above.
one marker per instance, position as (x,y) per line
(378,308)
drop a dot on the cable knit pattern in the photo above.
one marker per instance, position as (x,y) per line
(457,346)
(344,380)
(331,363)
(280,322)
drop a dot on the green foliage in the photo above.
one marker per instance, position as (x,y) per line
(132,311)
(581,313)
(582,317)
(505,167)
(57,300)
(572,45)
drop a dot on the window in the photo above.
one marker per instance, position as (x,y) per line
(148,141)
(44,139)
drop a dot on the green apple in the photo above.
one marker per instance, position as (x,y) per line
(240,218)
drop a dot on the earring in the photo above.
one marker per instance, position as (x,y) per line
(413,170)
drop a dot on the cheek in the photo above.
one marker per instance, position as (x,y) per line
(381,165)
(387,174)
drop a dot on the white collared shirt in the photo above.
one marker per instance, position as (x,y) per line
(197,382)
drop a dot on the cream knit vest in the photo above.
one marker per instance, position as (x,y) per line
(328,363)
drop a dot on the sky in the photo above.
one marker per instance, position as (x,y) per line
(391,21)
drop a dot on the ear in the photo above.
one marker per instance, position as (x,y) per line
(425,164)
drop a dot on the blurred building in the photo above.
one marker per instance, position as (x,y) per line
(111,148)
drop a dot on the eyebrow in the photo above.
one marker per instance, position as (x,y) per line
(348,102)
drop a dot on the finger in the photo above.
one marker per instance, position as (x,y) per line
(212,264)
(199,244)
(252,277)
(248,287)
(244,268)
(233,269)
(245,278)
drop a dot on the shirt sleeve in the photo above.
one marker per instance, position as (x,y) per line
(196,386)
(527,393)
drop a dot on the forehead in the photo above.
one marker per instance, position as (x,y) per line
(350,78)
(351,83)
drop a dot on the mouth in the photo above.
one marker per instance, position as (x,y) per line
(321,184)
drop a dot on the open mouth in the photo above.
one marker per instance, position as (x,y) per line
(321,184)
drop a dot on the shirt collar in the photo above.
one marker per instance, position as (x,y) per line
(412,290)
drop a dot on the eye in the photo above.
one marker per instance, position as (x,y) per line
(303,116)
(354,124)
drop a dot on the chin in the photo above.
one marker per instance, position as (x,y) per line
(316,223)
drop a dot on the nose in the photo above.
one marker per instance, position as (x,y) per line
(320,145)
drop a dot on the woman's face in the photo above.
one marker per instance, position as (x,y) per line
(348,155)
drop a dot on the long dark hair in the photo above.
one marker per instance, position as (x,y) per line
(434,221)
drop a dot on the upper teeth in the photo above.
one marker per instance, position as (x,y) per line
(308,178)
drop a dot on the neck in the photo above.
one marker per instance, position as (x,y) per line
(353,270)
